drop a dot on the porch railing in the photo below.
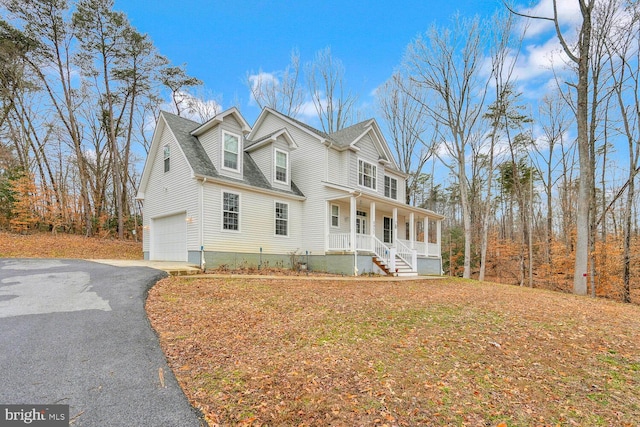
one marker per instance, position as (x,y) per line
(369,243)
(407,254)
(339,241)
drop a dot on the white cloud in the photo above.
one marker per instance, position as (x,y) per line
(194,107)
(569,16)
(260,83)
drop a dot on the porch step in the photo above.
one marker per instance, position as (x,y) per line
(402,268)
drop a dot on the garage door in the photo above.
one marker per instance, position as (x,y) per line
(169,238)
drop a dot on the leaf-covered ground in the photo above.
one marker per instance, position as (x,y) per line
(46,245)
(303,352)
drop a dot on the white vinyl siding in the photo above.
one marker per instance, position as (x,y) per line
(257,221)
(170,192)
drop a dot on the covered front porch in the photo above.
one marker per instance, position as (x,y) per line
(396,235)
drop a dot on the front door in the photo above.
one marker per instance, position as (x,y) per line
(387,230)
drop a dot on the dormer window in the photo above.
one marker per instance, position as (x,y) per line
(282,167)
(230,152)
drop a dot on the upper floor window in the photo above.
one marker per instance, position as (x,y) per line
(390,187)
(231,211)
(367,174)
(231,151)
(282,166)
(167,157)
(282,219)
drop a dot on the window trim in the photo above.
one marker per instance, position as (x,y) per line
(335,216)
(390,187)
(275,166)
(223,151)
(374,176)
(391,237)
(275,222)
(228,230)
(166,158)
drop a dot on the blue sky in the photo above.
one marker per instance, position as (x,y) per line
(221,41)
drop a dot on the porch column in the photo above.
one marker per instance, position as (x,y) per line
(352,223)
(425,232)
(395,227)
(372,221)
(439,236)
(412,230)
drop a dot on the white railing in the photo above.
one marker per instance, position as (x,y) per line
(420,247)
(339,241)
(407,254)
(364,242)
(433,249)
(382,251)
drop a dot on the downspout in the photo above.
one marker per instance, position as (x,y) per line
(202,261)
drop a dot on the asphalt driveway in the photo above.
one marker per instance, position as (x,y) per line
(75,332)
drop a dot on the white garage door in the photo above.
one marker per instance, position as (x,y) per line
(169,238)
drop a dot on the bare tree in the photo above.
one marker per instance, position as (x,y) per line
(406,121)
(334,104)
(580,55)
(446,63)
(281,90)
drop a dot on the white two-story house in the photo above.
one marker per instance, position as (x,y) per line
(224,193)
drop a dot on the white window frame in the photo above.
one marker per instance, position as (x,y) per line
(166,161)
(228,230)
(335,216)
(275,166)
(238,153)
(362,175)
(275,222)
(390,230)
(390,188)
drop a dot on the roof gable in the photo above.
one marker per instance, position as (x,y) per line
(271,138)
(219,118)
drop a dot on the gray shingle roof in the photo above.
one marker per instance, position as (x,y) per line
(344,137)
(202,165)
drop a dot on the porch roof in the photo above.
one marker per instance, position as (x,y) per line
(381,201)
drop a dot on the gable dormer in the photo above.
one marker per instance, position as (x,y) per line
(222,138)
(272,154)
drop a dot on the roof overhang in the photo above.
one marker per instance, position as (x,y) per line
(219,118)
(243,186)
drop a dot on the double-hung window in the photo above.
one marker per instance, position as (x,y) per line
(367,174)
(282,219)
(391,187)
(335,216)
(167,158)
(230,211)
(231,151)
(282,166)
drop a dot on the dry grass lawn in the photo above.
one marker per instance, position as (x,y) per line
(276,351)
(46,245)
